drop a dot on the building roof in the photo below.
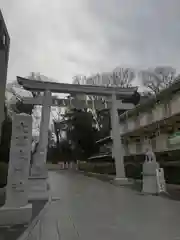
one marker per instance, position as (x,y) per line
(108,154)
(104,140)
(152,100)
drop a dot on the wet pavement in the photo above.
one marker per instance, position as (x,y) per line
(87,208)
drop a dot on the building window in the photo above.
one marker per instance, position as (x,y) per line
(138,147)
(153,143)
(145,138)
(167,110)
(149,117)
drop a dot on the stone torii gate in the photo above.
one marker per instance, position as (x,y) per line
(39,171)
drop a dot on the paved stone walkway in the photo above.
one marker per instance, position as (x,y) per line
(90,209)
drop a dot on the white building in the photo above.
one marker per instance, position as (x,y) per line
(153,124)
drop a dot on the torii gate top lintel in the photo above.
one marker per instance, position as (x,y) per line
(74,88)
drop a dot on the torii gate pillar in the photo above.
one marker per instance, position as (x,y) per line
(117,147)
(39,176)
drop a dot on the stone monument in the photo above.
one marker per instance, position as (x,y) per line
(4,57)
(16,209)
(150,167)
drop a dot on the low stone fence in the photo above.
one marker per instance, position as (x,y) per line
(52,167)
(60,166)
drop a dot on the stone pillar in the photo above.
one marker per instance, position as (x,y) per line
(117,147)
(149,177)
(39,159)
(4,56)
(16,209)
(39,174)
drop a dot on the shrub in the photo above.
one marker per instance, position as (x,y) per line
(5,140)
(3,174)
(133,171)
(102,167)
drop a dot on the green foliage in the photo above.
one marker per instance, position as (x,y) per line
(80,133)
(6,132)
(172,174)
(104,121)
(102,167)
(5,138)
(61,153)
(3,174)
(133,171)
(65,151)
(52,155)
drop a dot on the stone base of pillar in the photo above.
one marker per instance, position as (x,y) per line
(10,216)
(122,182)
(38,189)
(150,185)
(39,172)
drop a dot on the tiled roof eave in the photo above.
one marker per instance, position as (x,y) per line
(103,140)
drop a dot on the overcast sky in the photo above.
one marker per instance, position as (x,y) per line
(62,38)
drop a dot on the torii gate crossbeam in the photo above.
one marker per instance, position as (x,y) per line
(75,88)
(79,104)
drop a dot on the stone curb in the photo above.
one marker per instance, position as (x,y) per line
(27,232)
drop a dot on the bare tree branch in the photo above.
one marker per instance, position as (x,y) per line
(158,78)
(123,77)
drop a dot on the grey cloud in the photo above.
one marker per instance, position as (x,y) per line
(149,27)
(64,38)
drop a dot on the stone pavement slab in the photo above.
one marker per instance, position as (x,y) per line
(14,232)
(91,209)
